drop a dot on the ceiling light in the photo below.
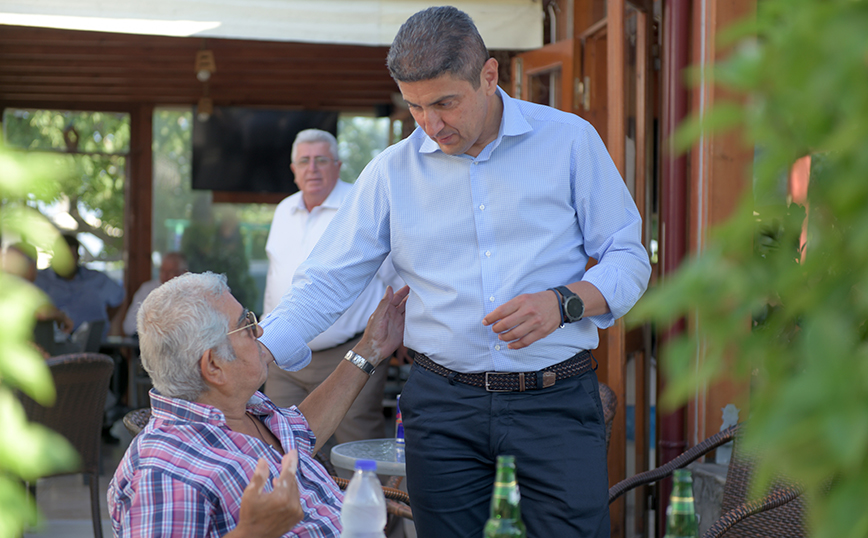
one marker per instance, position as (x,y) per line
(205,65)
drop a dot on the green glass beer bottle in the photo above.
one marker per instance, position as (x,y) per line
(505,520)
(681,519)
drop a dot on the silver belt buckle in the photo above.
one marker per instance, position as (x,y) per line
(488,381)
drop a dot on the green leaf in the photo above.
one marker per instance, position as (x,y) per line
(17,507)
(722,116)
(31,450)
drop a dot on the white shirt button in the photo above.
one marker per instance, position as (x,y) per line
(488,253)
(497,347)
(482,207)
(491,298)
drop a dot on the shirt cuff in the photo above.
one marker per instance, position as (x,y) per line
(290,351)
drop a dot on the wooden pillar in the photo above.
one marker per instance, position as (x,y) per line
(138,200)
(615,350)
(719,168)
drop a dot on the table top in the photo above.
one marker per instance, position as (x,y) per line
(389,458)
(116,342)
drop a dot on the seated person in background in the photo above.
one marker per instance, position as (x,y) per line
(174,264)
(200,465)
(84,294)
(20,260)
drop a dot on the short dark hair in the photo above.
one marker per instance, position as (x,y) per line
(437,41)
(71,241)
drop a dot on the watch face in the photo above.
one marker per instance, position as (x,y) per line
(574,307)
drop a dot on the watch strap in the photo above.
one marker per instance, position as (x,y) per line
(360,361)
(560,297)
(565,292)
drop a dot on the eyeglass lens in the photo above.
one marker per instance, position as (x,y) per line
(320,161)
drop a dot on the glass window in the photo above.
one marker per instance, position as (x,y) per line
(92,148)
(230,238)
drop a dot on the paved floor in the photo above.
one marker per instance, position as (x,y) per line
(64,501)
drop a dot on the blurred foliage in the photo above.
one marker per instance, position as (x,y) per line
(92,178)
(360,139)
(27,451)
(803,66)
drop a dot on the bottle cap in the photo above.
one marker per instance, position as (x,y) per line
(366,465)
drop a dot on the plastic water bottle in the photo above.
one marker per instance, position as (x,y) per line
(364,512)
(399,432)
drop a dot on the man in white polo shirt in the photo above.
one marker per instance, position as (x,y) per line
(298,223)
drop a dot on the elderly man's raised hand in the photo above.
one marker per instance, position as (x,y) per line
(385,329)
(270,514)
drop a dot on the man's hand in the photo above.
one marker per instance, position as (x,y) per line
(385,329)
(50,312)
(270,514)
(526,318)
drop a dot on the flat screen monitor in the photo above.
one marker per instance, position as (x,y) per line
(248,149)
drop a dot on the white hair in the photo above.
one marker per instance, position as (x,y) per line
(311,136)
(177,323)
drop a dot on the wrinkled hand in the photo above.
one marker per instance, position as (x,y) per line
(275,513)
(385,329)
(526,318)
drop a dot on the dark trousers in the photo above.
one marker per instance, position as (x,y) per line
(454,433)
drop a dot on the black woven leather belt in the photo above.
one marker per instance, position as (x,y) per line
(514,381)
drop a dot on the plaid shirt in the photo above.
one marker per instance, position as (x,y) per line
(184,474)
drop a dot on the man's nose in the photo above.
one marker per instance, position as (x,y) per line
(431,123)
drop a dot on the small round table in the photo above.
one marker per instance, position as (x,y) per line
(389,458)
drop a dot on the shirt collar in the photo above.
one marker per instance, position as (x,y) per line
(512,123)
(332,202)
(175,409)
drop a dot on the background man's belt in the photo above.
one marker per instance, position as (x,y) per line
(514,381)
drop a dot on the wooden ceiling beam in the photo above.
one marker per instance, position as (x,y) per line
(94,71)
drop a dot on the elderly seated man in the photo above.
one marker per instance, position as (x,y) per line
(218,458)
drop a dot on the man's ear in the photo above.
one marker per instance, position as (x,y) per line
(488,76)
(212,368)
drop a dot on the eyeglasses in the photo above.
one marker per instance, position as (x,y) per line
(320,161)
(251,318)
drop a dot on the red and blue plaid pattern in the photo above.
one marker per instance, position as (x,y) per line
(184,474)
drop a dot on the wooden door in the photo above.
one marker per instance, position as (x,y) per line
(549,75)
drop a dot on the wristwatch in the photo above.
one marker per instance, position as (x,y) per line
(572,307)
(360,361)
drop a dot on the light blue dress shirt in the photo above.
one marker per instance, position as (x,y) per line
(469,234)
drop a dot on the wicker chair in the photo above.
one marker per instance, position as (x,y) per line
(779,513)
(397,501)
(610,406)
(82,382)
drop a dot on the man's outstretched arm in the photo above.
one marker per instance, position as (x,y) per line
(327,405)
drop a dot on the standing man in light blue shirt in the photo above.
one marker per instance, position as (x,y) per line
(491,210)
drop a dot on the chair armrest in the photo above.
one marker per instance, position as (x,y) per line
(683,460)
(779,497)
(397,501)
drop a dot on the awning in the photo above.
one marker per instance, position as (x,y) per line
(504,24)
